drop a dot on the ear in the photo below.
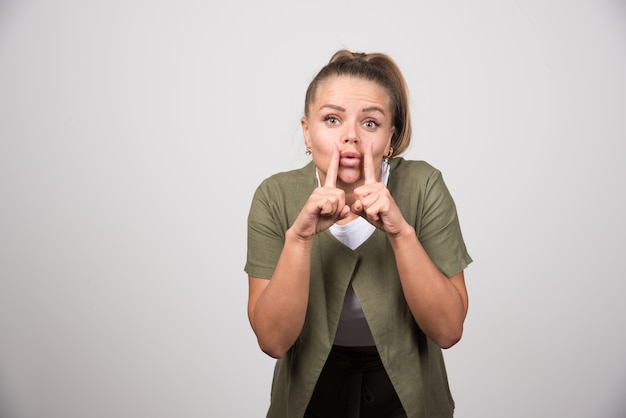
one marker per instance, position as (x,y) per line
(305,131)
(391,132)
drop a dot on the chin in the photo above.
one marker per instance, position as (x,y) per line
(349,179)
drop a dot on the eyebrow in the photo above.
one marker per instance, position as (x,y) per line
(373,108)
(365,109)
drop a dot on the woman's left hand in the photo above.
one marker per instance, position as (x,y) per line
(374,201)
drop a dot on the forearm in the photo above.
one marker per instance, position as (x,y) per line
(281,308)
(436,304)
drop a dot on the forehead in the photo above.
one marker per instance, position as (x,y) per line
(351,89)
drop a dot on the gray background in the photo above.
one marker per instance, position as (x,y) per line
(133,134)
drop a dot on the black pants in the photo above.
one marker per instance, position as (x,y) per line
(354,386)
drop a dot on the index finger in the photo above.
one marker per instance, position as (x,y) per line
(369,174)
(333,168)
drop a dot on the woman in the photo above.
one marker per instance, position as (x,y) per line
(355,261)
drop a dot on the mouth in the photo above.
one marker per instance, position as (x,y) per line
(350,159)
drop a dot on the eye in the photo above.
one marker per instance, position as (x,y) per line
(371,124)
(331,120)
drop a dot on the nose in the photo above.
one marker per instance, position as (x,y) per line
(351,135)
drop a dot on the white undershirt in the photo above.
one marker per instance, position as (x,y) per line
(353,330)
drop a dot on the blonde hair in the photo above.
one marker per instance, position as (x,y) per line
(381,69)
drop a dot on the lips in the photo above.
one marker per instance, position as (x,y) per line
(350,159)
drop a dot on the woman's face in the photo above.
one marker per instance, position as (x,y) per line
(350,113)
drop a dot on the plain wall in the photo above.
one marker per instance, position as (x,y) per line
(133,134)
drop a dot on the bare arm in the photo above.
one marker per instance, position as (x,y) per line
(277,307)
(439,304)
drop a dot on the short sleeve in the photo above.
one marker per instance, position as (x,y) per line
(440,230)
(265,235)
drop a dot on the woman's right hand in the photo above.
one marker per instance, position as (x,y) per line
(325,206)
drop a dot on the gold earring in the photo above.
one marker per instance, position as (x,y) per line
(307,151)
(388,155)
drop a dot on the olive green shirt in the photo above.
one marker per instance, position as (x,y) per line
(414,363)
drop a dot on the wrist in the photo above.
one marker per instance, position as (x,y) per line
(407,233)
(296,238)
